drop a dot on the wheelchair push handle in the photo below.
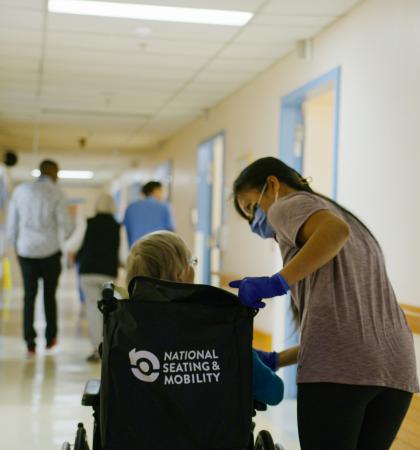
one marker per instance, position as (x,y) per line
(108,291)
(108,302)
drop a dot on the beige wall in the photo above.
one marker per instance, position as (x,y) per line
(376,45)
(87,194)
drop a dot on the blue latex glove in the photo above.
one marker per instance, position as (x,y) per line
(268,358)
(253,289)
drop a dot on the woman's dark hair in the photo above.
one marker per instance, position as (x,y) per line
(255,176)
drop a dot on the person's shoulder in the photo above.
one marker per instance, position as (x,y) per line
(22,189)
(302,196)
(133,205)
(296,199)
(131,209)
(296,205)
(112,220)
(26,186)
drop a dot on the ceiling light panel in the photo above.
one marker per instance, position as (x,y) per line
(244,5)
(122,28)
(70,174)
(150,12)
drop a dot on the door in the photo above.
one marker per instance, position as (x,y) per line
(210,156)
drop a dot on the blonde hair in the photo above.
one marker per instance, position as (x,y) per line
(104,204)
(162,254)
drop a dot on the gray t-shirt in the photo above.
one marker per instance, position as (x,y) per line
(352,328)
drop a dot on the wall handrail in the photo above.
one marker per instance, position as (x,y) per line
(412,314)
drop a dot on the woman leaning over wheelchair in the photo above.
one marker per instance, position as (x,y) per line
(356,363)
(164,255)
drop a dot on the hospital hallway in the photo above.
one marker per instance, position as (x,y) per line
(261,151)
(40,397)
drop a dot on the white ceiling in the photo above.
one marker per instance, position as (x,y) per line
(128,84)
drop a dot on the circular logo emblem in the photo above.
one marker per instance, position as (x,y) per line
(144,365)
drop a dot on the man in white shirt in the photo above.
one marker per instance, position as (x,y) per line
(37,213)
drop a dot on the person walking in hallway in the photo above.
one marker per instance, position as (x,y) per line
(149,214)
(37,215)
(100,249)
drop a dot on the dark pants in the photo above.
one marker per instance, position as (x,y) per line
(48,269)
(347,417)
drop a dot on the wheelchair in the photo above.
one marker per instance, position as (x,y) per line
(179,400)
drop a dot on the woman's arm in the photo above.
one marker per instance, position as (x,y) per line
(322,237)
(74,243)
(287,357)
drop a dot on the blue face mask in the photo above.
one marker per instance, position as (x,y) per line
(261,226)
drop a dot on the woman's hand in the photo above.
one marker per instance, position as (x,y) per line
(253,289)
(268,358)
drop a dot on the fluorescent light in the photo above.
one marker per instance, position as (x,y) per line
(76,174)
(150,12)
(70,174)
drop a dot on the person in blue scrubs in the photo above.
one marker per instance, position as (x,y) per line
(149,214)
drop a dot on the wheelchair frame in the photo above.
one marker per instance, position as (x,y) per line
(91,397)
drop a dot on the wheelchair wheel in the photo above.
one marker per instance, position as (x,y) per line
(264,441)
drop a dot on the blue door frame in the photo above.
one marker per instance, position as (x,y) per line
(204,204)
(291,117)
(205,158)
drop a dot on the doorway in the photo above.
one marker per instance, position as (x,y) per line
(210,157)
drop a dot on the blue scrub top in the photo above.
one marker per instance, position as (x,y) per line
(146,216)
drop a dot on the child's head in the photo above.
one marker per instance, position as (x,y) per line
(163,255)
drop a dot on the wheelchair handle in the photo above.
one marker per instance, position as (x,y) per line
(108,291)
(108,302)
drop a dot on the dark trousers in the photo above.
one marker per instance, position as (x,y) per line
(48,269)
(348,417)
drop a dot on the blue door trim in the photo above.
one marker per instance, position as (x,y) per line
(205,158)
(291,104)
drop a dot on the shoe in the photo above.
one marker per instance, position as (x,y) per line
(93,358)
(51,344)
(31,351)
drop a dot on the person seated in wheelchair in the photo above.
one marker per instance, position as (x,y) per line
(164,255)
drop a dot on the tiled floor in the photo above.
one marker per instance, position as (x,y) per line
(40,398)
